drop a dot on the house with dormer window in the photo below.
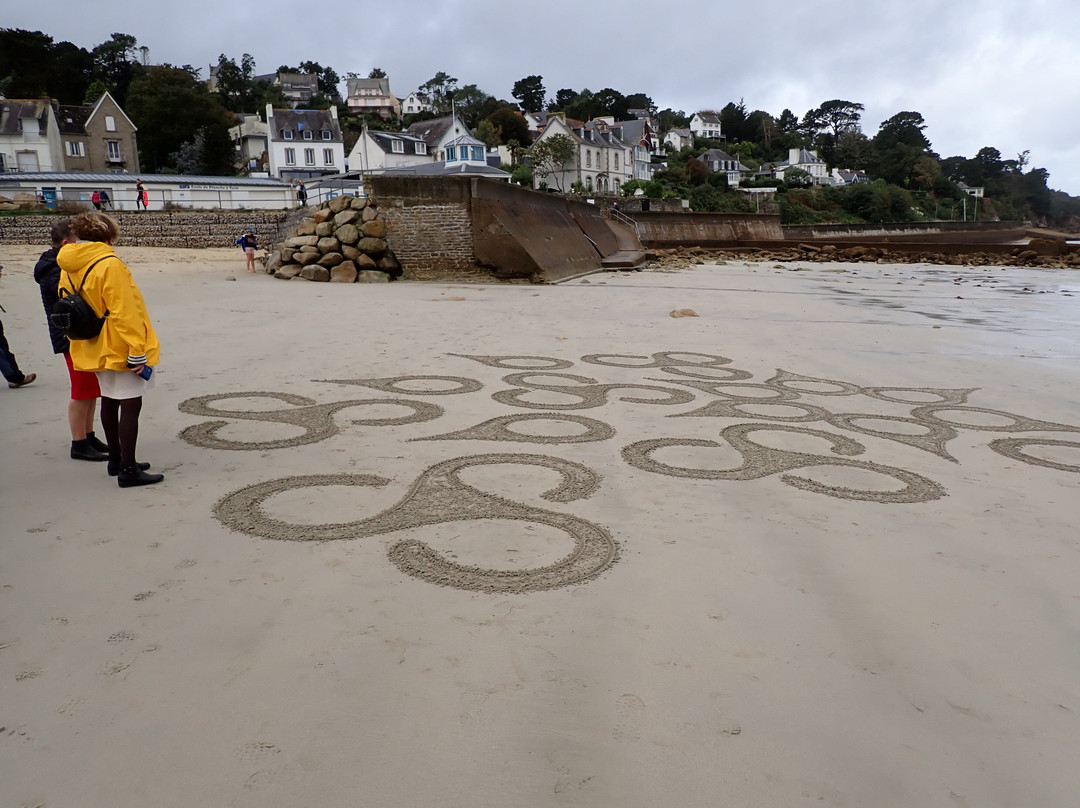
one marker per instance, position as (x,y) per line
(29,136)
(415,103)
(720,162)
(99,138)
(804,159)
(602,161)
(706,125)
(372,97)
(376,151)
(303,143)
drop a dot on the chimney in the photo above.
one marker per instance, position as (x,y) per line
(793,156)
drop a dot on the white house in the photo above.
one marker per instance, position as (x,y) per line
(601,163)
(29,136)
(415,102)
(375,151)
(251,139)
(304,143)
(679,139)
(804,159)
(706,125)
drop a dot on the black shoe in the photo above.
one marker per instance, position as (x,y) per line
(133,475)
(97,443)
(114,466)
(84,450)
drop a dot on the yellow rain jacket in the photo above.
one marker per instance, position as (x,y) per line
(127,338)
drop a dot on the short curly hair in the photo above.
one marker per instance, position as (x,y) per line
(94,226)
(60,232)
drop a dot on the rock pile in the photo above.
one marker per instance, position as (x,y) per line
(343,241)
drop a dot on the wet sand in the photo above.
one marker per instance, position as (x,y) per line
(461,544)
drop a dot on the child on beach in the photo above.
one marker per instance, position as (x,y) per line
(249,243)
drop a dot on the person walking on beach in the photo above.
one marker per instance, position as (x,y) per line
(106,203)
(84,386)
(8,366)
(140,196)
(249,243)
(95,200)
(124,354)
(301,193)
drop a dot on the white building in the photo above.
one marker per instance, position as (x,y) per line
(706,125)
(303,143)
(29,136)
(414,103)
(601,162)
(376,151)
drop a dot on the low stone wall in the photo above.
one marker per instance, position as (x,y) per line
(158,228)
(341,241)
(705,229)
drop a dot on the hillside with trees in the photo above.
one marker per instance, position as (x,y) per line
(183,127)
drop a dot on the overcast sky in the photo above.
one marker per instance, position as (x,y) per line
(1001,73)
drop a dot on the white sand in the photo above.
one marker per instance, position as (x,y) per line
(755,643)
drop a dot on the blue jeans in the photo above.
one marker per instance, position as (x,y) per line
(8,366)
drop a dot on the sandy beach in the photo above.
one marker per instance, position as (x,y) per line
(487,545)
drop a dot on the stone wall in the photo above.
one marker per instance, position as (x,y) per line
(158,228)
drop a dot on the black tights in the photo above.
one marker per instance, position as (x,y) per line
(120,420)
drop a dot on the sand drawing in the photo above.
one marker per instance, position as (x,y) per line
(689,387)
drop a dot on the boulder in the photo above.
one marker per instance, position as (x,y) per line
(345,272)
(331,259)
(321,215)
(389,264)
(306,228)
(305,258)
(346,217)
(302,241)
(288,271)
(347,233)
(371,246)
(369,213)
(372,276)
(274,262)
(324,229)
(365,262)
(376,228)
(358,203)
(315,273)
(350,252)
(339,203)
(329,245)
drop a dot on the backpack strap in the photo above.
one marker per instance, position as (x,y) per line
(87,272)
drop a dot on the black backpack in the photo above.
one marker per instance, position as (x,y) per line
(73,315)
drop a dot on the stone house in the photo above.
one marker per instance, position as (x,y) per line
(372,97)
(602,162)
(706,125)
(303,143)
(99,138)
(29,136)
(298,88)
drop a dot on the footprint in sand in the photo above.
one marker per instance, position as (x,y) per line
(631,721)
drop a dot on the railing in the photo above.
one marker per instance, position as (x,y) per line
(619,216)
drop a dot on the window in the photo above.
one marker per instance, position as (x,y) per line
(421,148)
(328,157)
(308,135)
(397,147)
(112,150)
(76,148)
(451,154)
(286,134)
(326,134)
(588,158)
(110,123)
(478,153)
(290,157)
(309,157)
(616,161)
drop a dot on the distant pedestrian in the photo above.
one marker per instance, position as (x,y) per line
(95,200)
(82,405)
(140,195)
(301,193)
(8,366)
(106,203)
(249,243)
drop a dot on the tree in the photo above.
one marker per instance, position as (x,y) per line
(640,101)
(326,78)
(170,105)
(509,126)
(563,99)
(439,90)
(377,73)
(115,64)
(550,155)
(897,147)
(236,83)
(469,102)
(530,93)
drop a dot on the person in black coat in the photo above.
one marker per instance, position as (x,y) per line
(84,386)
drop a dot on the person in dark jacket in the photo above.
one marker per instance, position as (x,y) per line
(9,367)
(84,386)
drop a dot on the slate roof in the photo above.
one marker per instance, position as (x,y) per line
(72,119)
(385,141)
(12,110)
(431,132)
(316,120)
(147,179)
(442,169)
(381,85)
